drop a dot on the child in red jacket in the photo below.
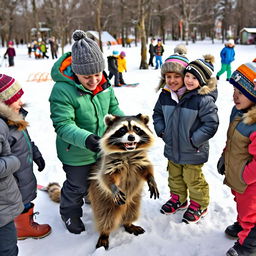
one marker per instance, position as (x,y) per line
(238,161)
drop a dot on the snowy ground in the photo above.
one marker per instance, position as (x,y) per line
(165,235)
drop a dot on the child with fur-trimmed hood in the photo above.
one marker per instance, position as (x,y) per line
(186,121)
(238,161)
(12,115)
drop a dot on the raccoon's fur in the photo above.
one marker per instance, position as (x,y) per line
(115,190)
(53,190)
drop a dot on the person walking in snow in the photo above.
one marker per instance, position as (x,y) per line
(79,101)
(113,67)
(158,51)
(121,66)
(227,55)
(27,152)
(151,52)
(10,52)
(238,160)
(186,118)
(10,198)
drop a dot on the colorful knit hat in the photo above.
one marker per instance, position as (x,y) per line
(115,53)
(177,62)
(244,79)
(10,90)
(202,69)
(87,58)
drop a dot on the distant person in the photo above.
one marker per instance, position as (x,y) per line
(227,55)
(151,52)
(186,118)
(10,198)
(238,161)
(29,50)
(113,67)
(121,66)
(80,99)
(54,47)
(43,49)
(159,50)
(27,153)
(10,52)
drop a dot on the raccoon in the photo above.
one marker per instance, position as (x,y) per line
(115,190)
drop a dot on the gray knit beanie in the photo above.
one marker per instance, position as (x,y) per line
(87,58)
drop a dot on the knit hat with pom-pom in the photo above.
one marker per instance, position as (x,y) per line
(177,62)
(87,58)
(202,69)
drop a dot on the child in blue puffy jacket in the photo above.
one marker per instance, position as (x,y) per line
(227,55)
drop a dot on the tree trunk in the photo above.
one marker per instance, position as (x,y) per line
(143,63)
(98,21)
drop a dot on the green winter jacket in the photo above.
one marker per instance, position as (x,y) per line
(76,113)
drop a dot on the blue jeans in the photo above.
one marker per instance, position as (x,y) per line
(159,61)
(8,238)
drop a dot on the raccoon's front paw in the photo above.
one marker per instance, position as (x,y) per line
(119,197)
(152,187)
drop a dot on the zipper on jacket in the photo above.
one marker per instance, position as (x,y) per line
(68,147)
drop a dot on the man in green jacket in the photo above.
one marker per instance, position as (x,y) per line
(79,100)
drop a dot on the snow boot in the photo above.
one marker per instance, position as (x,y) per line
(193,214)
(73,224)
(173,205)
(233,230)
(27,228)
(239,250)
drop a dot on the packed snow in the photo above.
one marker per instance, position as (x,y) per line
(165,235)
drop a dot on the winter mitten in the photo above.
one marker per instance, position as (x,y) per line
(40,163)
(221,166)
(92,143)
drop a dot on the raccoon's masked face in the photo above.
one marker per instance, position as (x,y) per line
(127,133)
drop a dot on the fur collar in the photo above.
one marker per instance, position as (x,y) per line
(250,116)
(208,88)
(12,118)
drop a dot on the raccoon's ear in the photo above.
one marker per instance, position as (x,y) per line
(109,119)
(143,118)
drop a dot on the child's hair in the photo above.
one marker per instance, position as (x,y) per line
(243,79)
(202,69)
(175,63)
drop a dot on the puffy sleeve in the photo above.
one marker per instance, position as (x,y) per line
(249,174)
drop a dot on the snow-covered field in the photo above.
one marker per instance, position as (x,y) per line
(165,235)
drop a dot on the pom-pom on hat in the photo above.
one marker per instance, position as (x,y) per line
(87,58)
(177,62)
(202,69)
(244,79)
(10,90)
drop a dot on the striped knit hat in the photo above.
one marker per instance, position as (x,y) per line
(244,79)
(10,90)
(177,62)
(202,69)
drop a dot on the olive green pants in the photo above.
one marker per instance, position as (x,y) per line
(188,179)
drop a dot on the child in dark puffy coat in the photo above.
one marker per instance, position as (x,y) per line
(27,152)
(185,117)
(227,55)
(113,67)
(238,161)
(10,198)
